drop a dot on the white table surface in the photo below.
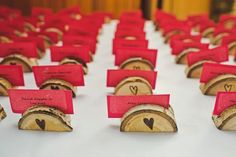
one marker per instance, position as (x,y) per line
(96,135)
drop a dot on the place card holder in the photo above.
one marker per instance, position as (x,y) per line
(131,82)
(67,55)
(230,41)
(136,59)
(3,114)
(41,111)
(180,50)
(196,60)
(151,114)
(61,77)
(217,78)
(10,77)
(224,114)
(24,54)
(218,35)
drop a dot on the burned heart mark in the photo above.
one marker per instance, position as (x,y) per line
(54,87)
(228,87)
(40,123)
(133,89)
(149,122)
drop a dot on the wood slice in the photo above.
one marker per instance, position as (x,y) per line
(4,39)
(56,30)
(181,58)
(40,53)
(3,114)
(4,86)
(195,70)
(133,86)
(217,39)
(221,83)
(170,34)
(226,120)
(208,33)
(72,60)
(44,118)
(137,64)
(58,84)
(229,24)
(232,48)
(16,59)
(149,118)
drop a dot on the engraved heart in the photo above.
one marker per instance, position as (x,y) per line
(228,87)
(133,89)
(40,123)
(54,87)
(149,122)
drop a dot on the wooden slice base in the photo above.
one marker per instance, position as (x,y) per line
(44,118)
(4,39)
(217,39)
(75,61)
(221,83)
(3,114)
(133,86)
(195,70)
(226,120)
(182,57)
(137,64)
(58,84)
(17,59)
(170,34)
(4,86)
(149,118)
(232,48)
(40,53)
(208,33)
(56,30)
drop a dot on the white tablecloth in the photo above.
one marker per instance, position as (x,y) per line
(96,135)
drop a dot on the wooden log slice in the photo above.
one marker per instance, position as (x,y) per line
(137,64)
(71,60)
(16,59)
(58,84)
(221,83)
(56,30)
(3,114)
(133,86)
(217,39)
(181,58)
(44,118)
(148,118)
(232,48)
(4,86)
(208,33)
(170,34)
(226,120)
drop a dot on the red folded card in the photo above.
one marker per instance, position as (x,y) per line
(212,70)
(225,17)
(118,105)
(121,43)
(83,31)
(13,73)
(80,40)
(219,54)
(59,53)
(206,24)
(70,73)
(123,26)
(220,29)
(37,40)
(138,34)
(115,76)
(22,99)
(184,37)
(228,39)
(126,53)
(178,46)
(224,100)
(26,49)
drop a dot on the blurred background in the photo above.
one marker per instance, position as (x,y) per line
(180,8)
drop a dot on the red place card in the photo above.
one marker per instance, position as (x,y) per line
(26,49)
(184,37)
(224,100)
(37,40)
(80,40)
(59,53)
(219,54)
(22,99)
(139,35)
(121,43)
(115,76)
(126,53)
(118,105)
(13,73)
(226,40)
(178,46)
(71,73)
(212,70)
